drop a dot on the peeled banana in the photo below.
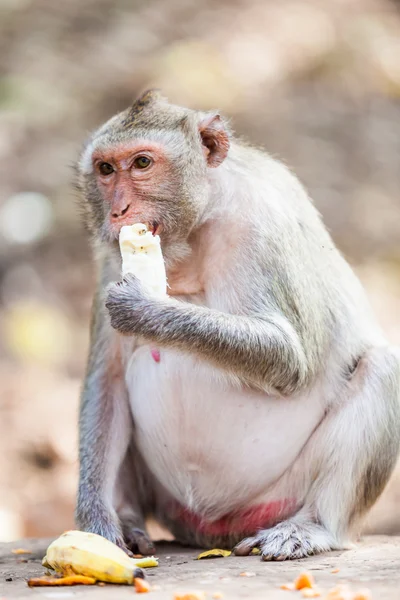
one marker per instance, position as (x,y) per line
(142,256)
(92,555)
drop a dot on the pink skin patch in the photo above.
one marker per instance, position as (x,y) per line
(245,522)
(156,355)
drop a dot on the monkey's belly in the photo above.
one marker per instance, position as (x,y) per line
(213,445)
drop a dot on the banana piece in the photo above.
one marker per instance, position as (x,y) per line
(142,256)
(92,555)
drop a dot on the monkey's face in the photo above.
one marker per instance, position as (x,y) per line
(153,169)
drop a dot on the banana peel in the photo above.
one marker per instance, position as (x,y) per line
(57,581)
(91,555)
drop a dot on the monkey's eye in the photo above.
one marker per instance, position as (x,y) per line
(105,168)
(142,162)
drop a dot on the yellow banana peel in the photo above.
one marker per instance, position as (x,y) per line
(91,555)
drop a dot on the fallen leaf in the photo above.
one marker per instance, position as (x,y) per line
(217,595)
(21,551)
(247,574)
(335,570)
(256,551)
(215,553)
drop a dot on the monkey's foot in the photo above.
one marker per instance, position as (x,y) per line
(288,540)
(138,541)
(94,517)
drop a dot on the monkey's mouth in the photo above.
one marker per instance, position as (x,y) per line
(154,227)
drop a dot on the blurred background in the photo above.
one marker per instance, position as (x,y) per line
(316,83)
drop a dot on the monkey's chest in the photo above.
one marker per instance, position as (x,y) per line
(211,443)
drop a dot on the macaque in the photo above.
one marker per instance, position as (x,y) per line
(257,403)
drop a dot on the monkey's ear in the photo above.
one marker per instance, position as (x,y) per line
(148,97)
(215,139)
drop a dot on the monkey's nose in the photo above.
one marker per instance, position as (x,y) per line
(120,211)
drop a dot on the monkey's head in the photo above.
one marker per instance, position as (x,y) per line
(151,164)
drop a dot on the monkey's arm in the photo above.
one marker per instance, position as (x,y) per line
(264,351)
(105,428)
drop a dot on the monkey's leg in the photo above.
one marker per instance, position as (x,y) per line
(133,500)
(348,460)
(105,428)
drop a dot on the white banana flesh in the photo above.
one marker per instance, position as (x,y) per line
(92,555)
(142,256)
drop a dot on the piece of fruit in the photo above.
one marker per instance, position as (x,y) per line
(304,580)
(310,593)
(340,592)
(68,580)
(141,585)
(214,553)
(288,586)
(89,554)
(362,595)
(141,255)
(190,596)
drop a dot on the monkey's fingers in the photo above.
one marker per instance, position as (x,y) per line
(138,541)
(121,544)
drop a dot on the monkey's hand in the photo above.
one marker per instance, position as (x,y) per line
(126,302)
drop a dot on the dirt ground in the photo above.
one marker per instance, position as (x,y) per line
(373,564)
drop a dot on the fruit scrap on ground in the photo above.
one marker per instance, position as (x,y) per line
(362,595)
(288,586)
(310,593)
(190,596)
(91,555)
(141,585)
(214,553)
(342,592)
(304,580)
(304,583)
(69,580)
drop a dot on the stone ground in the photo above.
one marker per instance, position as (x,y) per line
(373,564)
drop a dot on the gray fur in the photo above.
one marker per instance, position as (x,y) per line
(259,350)
(284,314)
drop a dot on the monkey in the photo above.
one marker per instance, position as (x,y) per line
(258,404)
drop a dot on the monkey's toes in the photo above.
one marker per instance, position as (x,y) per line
(121,544)
(287,541)
(245,546)
(138,541)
